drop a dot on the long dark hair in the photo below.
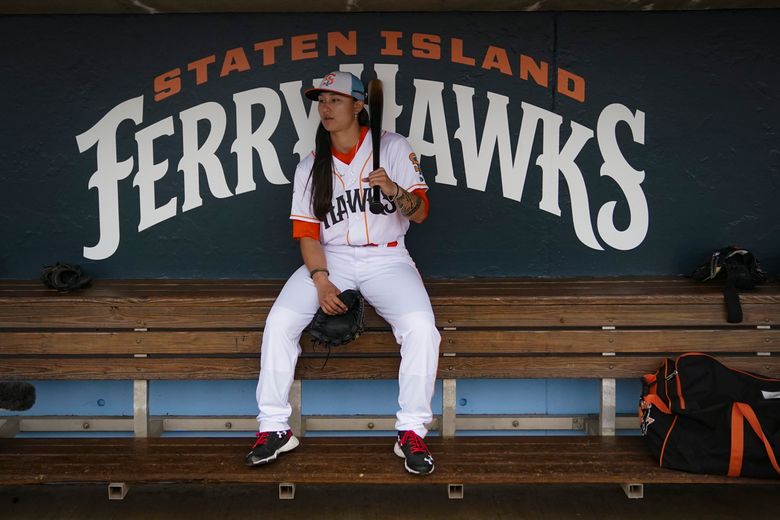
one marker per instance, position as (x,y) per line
(322,171)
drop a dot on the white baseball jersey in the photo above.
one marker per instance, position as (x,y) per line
(350,221)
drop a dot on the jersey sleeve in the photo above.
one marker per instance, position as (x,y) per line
(306,229)
(424,196)
(405,166)
(301,198)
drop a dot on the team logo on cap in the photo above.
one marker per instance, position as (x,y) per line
(329,80)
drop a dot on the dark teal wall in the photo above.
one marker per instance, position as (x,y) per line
(705,83)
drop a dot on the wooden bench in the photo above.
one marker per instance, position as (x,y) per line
(144,330)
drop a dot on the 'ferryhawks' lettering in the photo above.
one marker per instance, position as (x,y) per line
(353,202)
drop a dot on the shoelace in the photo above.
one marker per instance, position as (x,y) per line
(314,344)
(261,438)
(416,442)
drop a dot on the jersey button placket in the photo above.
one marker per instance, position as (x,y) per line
(359,264)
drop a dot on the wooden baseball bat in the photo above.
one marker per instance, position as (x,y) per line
(375,103)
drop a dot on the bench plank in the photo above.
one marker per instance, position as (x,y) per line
(596,290)
(458,367)
(117,343)
(370,460)
(243,314)
(206,304)
(375,342)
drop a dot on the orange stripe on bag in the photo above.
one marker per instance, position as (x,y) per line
(737,441)
(679,384)
(679,393)
(666,383)
(747,412)
(661,460)
(657,402)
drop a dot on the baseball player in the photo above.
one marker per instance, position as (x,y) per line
(346,246)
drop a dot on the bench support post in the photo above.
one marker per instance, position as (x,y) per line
(634,490)
(117,491)
(608,407)
(286,491)
(454,491)
(140,408)
(296,420)
(449,402)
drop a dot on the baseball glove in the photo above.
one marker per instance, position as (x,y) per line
(340,329)
(741,270)
(64,277)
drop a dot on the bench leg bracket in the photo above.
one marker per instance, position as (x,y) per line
(117,490)
(633,490)
(286,491)
(455,491)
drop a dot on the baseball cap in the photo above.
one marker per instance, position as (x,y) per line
(339,83)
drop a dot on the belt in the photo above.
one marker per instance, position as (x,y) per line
(389,244)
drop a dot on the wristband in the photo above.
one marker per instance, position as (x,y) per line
(318,270)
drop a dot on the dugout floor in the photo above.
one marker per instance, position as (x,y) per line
(193,502)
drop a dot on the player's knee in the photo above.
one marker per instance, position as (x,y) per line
(284,322)
(280,336)
(420,329)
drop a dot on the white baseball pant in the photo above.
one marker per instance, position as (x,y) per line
(388,280)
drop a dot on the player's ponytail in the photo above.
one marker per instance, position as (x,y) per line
(322,174)
(322,170)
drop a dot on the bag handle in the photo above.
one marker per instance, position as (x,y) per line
(741,412)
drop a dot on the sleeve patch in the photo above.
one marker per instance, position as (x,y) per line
(416,164)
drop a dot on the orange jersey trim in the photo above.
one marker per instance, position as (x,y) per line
(306,229)
(346,158)
(341,180)
(424,196)
(305,218)
(365,192)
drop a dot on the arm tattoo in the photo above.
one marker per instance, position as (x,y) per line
(407,202)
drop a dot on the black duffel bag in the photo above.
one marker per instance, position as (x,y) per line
(703,417)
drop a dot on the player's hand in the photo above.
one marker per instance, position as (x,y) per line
(380,178)
(329,295)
